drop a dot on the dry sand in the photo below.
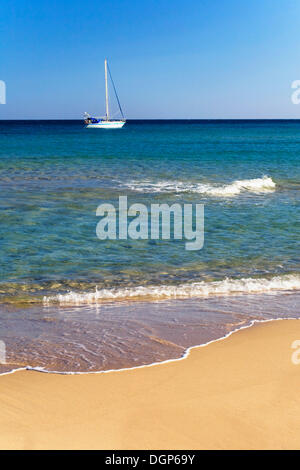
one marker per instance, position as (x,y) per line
(239,393)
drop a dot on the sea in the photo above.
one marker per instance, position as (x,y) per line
(73,303)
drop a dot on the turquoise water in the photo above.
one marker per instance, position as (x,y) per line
(53,176)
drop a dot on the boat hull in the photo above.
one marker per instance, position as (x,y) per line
(106,125)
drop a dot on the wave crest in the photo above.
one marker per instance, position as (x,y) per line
(196,289)
(257,185)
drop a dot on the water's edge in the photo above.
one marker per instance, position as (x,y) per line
(182,357)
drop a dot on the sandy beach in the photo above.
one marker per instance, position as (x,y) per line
(149,227)
(238,393)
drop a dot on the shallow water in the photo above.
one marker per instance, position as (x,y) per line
(118,335)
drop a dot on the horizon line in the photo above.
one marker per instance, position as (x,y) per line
(159,119)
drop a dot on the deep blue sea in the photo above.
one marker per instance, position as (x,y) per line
(70,301)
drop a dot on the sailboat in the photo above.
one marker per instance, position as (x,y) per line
(106,122)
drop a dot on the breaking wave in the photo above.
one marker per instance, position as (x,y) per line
(188,290)
(257,185)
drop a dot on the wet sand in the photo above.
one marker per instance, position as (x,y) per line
(238,393)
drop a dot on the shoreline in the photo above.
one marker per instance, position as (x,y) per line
(185,354)
(97,339)
(247,400)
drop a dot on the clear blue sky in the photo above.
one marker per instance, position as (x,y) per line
(169,58)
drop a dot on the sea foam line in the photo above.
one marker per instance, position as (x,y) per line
(185,354)
(257,185)
(183,291)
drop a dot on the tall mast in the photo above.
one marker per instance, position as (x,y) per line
(106,90)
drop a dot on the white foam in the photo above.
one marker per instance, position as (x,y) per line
(257,185)
(188,290)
